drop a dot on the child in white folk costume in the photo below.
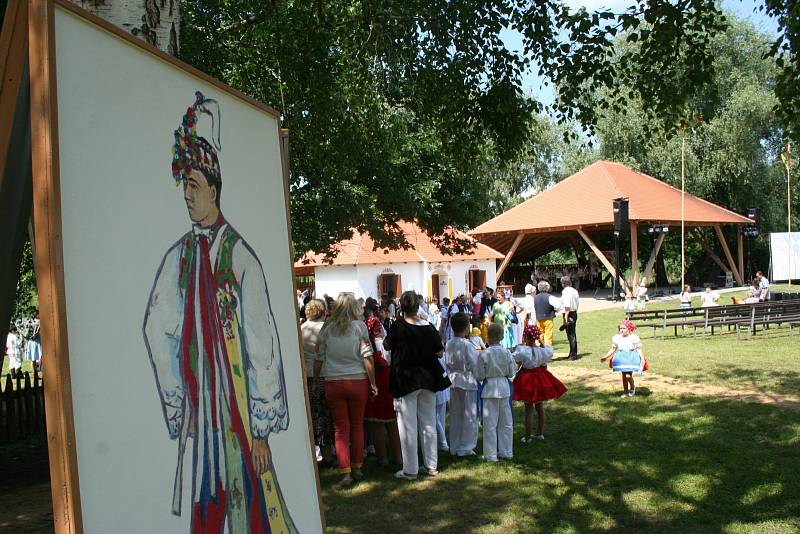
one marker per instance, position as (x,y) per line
(626,349)
(496,367)
(534,385)
(462,360)
(442,398)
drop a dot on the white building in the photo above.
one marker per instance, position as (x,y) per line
(367,272)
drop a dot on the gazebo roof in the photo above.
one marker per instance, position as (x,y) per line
(584,200)
(582,205)
(360,250)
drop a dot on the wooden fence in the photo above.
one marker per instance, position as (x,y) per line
(21,407)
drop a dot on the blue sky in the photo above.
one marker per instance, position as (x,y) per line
(533,84)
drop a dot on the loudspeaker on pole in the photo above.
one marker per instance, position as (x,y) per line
(621,225)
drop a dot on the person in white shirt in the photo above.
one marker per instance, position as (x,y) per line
(641,296)
(14,351)
(686,297)
(570,300)
(709,298)
(496,367)
(434,315)
(629,305)
(528,309)
(763,286)
(461,359)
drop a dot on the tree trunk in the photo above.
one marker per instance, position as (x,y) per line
(154,21)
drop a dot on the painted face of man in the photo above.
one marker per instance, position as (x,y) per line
(199,196)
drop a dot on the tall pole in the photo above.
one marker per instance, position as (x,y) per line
(683,195)
(788,162)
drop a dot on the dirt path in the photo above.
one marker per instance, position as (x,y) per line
(605,380)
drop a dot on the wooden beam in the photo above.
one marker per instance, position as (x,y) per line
(740,248)
(509,255)
(652,260)
(13,56)
(728,255)
(603,259)
(697,235)
(61,444)
(634,254)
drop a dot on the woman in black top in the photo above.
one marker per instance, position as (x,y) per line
(414,378)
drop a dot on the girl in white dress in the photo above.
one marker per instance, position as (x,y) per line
(626,349)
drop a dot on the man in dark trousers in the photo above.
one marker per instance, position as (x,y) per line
(570,300)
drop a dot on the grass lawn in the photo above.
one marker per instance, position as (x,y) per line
(767,362)
(654,463)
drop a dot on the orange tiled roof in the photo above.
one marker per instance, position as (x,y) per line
(360,250)
(584,200)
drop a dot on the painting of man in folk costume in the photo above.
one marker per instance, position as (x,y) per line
(213,344)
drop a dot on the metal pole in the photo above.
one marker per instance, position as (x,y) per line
(683,195)
(789,204)
(787,161)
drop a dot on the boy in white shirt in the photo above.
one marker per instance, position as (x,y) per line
(462,360)
(496,367)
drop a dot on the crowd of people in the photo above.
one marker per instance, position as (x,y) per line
(382,375)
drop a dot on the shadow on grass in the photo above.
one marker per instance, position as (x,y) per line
(784,381)
(657,464)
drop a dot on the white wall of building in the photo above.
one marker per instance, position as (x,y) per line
(333,279)
(460,269)
(411,277)
(362,280)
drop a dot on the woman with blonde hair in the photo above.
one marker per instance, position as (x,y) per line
(344,359)
(320,414)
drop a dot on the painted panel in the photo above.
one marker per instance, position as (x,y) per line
(173,306)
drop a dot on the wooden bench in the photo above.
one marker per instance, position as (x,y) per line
(781,312)
(732,316)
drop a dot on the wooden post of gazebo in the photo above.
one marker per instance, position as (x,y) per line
(509,255)
(740,248)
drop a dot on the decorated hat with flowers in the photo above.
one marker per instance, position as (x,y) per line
(532,333)
(191,151)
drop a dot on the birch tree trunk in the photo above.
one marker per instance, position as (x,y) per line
(154,21)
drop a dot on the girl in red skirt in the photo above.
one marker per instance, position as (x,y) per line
(534,384)
(379,414)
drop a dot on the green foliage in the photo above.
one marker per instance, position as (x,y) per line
(27,299)
(732,140)
(786,52)
(534,168)
(398,108)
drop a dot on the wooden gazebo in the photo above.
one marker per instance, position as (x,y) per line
(581,207)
